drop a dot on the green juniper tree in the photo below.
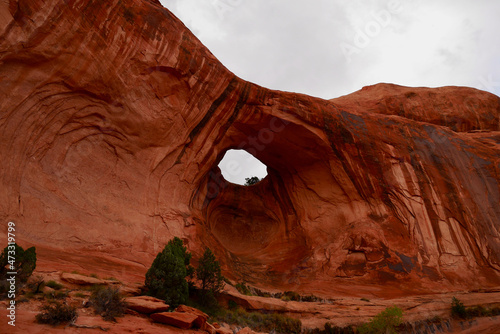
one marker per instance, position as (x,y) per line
(209,273)
(15,259)
(166,279)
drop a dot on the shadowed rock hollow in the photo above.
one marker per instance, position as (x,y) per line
(114,118)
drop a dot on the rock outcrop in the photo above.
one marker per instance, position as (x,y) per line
(85,280)
(176,319)
(146,304)
(113,119)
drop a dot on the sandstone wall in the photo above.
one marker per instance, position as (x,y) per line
(113,118)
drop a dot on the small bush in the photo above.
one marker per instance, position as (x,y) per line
(56,313)
(36,284)
(61,294)
(458,309)
(260,322)
(108,303)
(495,311)
(80,295)
(330,329)
(56,295)
(384,322)
(243,289)
(478,311)
(291,295)
(15,258)
(54,285)
(310,298)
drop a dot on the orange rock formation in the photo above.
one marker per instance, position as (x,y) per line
(114,118)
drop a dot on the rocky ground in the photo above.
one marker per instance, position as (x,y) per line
(340,311)
(114,118)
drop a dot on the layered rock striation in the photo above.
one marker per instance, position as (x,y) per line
(114,117)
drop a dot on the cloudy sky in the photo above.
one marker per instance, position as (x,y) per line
(329,48)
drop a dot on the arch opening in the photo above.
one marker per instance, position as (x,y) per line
(240,167)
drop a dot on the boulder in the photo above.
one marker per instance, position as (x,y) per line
(210,329)
(146,304)
(224,330)
(201,319)
(248,330)
(81,279)
(176,319)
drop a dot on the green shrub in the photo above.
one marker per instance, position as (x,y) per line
(384,322)
(36,284)
(56,295)
(495,311)
(331,329)
(274,322)
(179,250)
(209,273)
(15,258)
(310,298)
(243,289)
(291,295)
(56,313)
(166,279)
(60,294)
(108,303)
(458,309)
(478,311)
(54,285)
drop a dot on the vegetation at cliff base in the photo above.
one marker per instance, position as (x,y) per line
(15,259)
(260,322)
(108,303)
(384,322)
(209,272)
(166,278)
(459,311)
(56,313)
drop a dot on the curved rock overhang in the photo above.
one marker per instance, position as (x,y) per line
(114,118)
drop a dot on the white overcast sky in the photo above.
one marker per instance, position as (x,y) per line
(329,48)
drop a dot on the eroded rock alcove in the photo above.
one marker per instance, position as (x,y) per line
(114,118)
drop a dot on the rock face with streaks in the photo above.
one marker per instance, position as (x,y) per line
(113,118)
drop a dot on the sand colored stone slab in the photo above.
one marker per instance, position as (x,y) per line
(176,319)
(146,304)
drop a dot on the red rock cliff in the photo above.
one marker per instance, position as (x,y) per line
(114,118)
